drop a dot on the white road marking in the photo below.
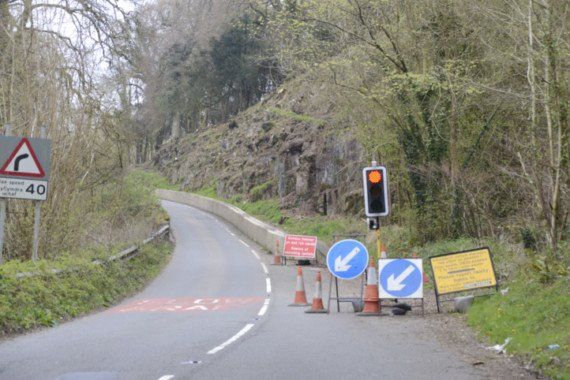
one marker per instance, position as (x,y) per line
(265,269)
(244,243)
(231,233)
(166,377)
(241,333)
(263,309)
(255,254)
(268,285)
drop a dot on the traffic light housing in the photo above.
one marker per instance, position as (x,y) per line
(376,192)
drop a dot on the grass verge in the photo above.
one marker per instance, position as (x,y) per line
(48,299)
(534,316)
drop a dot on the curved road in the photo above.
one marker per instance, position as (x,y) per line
(219,311)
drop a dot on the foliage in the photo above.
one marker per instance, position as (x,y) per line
(258,192)
(48,299)
(147,181)
(207,191)
(534,316)
(296,117)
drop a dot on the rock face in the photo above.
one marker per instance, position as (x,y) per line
(267,152)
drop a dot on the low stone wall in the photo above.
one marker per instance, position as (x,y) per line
(262,233)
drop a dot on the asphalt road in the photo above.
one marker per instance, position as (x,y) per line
(219,311)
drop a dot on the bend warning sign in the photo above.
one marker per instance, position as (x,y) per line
(23,162)
(466,270)
(24,167)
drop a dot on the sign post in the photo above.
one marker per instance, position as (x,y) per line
(2,220)
(7,131)
(37,214)
(24,174)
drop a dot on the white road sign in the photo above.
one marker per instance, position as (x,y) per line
(23,189)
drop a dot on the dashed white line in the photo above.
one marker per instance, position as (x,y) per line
(255,254)
(244,243)
(265,269)
(263,309)
(268,285)
(231,233)
(241,333)
(166,377)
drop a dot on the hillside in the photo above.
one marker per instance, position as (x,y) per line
(289,146)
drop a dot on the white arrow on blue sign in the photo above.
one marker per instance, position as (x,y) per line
(347,259)
(401,278)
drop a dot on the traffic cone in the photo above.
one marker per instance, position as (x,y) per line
(425,277)
(317,306)
(277,254)
(371,298)
(383,253)
(300,296)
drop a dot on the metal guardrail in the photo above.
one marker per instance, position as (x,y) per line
(123,255)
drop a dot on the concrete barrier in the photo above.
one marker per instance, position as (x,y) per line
(262,233)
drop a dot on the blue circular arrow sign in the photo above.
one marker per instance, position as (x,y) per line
(347,259)
(400,278)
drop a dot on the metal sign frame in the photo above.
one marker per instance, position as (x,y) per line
(435,287)
(386,191)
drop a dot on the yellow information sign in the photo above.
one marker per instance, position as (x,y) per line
(456,272)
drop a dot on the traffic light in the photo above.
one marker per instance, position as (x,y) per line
(376,201)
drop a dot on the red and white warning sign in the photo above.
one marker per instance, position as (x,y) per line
(23,162)
(24,167)
(299,246)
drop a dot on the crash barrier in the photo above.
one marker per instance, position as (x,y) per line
(258,231)
(123,255)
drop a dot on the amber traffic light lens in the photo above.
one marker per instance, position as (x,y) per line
(375,176)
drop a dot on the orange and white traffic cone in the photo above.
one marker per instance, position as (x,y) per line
(371,297)
(300,296)
(277,254)
(425,277)
(317,306)
(383,252)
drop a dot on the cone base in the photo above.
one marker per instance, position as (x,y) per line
(316,311)
(300,304)
(369,314)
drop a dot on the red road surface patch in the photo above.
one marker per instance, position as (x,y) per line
(185,304)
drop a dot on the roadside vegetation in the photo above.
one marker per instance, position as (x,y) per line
(48,299)
(123,213)
(535,316)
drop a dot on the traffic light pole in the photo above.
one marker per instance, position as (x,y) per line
(378,243)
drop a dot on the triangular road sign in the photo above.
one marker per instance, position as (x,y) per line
(23,162)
